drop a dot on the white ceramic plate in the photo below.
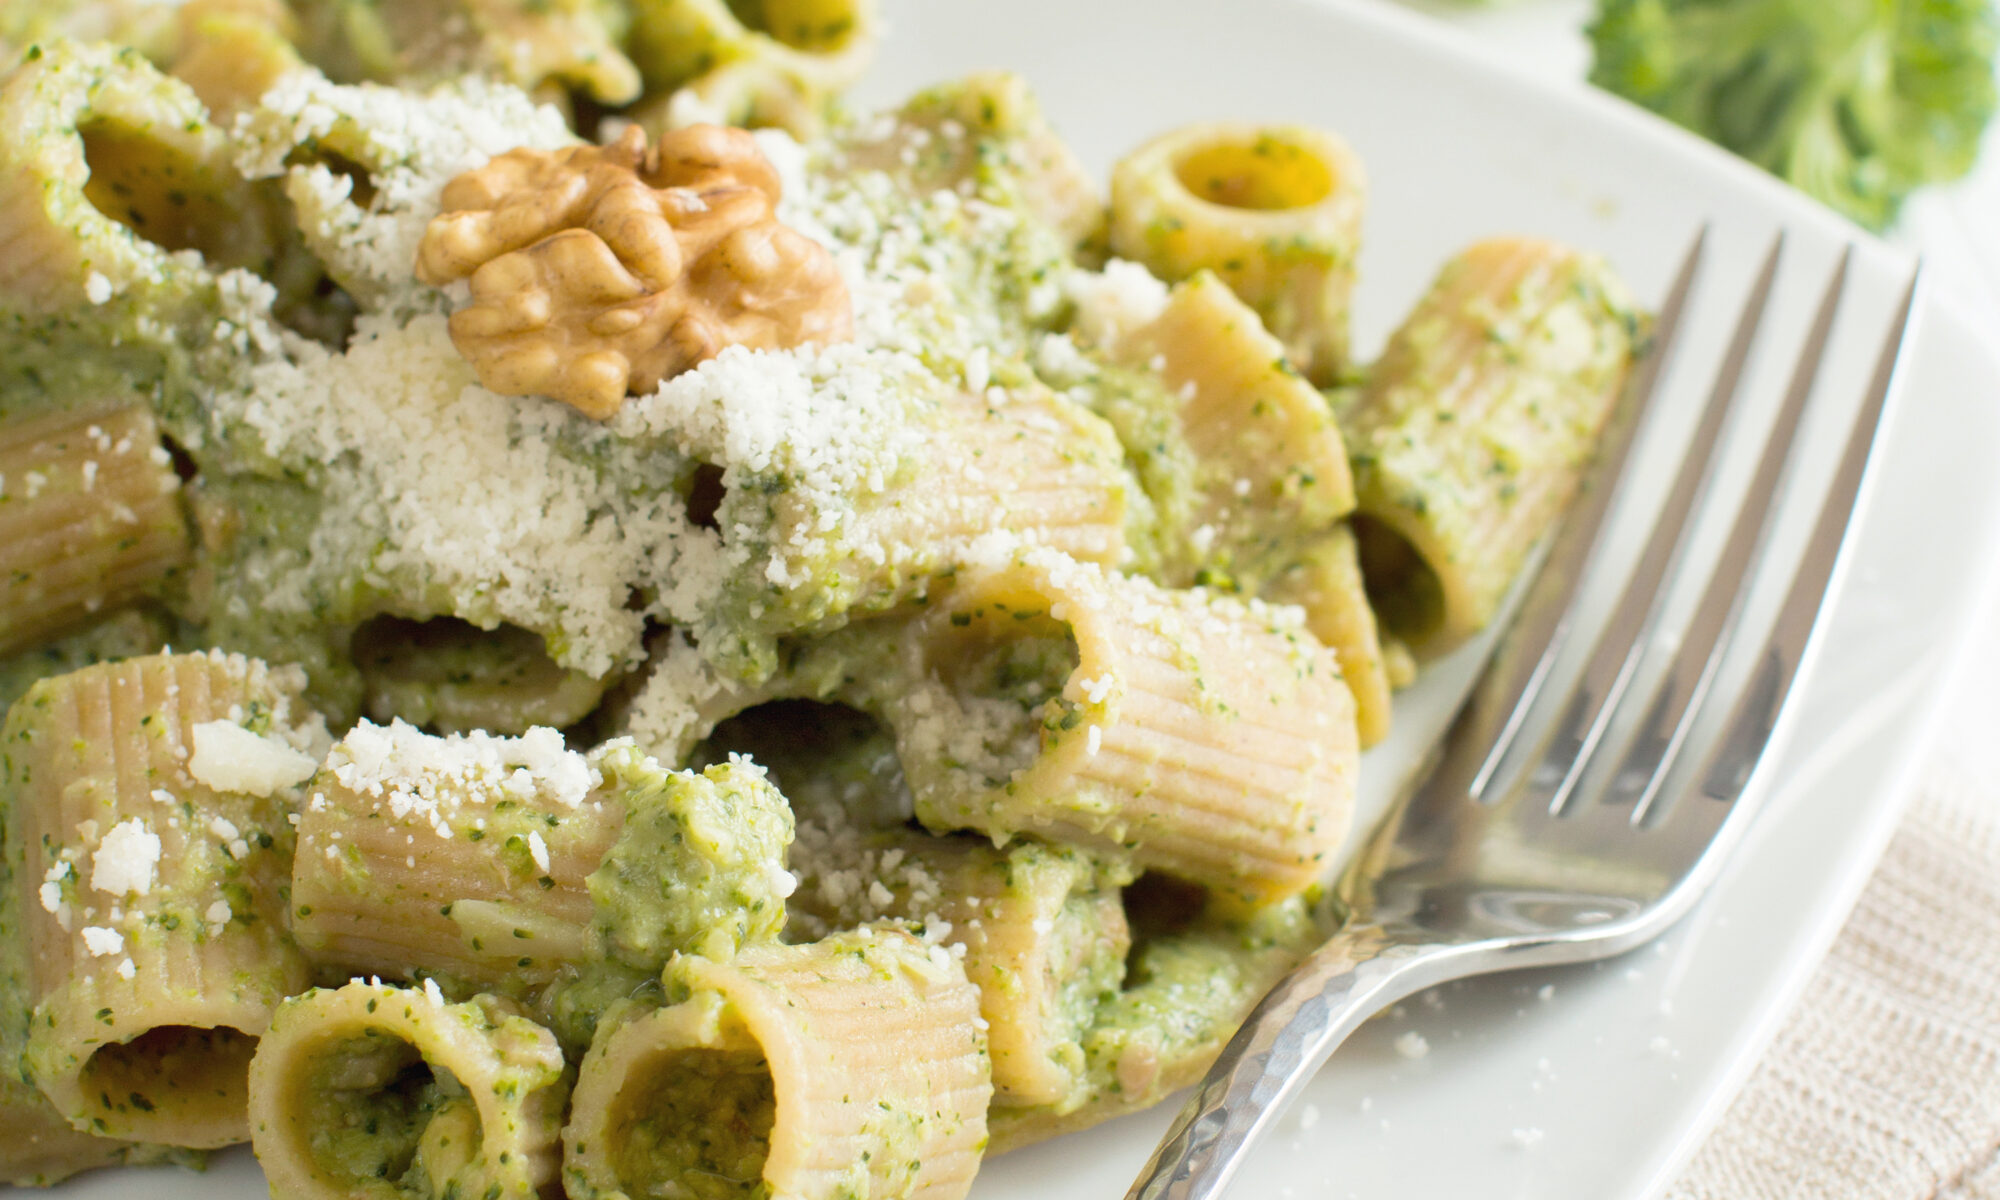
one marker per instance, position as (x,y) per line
(1588,1083)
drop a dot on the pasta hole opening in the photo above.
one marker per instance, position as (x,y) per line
(1158,907)
(1267,173)
(1006,667)
(700,1117)
(447,675)
(837,765)
(191,1068)
(157,191)
(808,26)
(1404,591)
(184,465)
(374,1109)
(705,494)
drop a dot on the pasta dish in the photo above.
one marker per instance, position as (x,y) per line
(582,619)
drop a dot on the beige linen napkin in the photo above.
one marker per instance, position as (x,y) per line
(1885,1082)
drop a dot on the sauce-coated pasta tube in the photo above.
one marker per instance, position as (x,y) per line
(464,856)
(779,62)
(538,45)
(1042,927)
(40,1147)
(1207,737)
(1275,210)
(1193,987)
(1326,582)
(90,519)
(986,135)
(499,862)
(148,817)
(850,1067)
(375,1092)
(108,169)
(1475,425)
(852,502)
(1266,470)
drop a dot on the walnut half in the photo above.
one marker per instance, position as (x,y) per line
(597,272)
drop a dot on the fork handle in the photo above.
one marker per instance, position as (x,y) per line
(1283,1041)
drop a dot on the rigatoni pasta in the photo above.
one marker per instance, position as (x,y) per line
(382,1092)
(1042,930)
(90,520)
(1266,471)
(1475,425)
(780,62)
(147,808)
(1274,210)
(1206,738)
(850,1066)
(1326,582)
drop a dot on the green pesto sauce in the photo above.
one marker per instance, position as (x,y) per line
(1008,669)
(699,867)
(381,1115)
(700,1131)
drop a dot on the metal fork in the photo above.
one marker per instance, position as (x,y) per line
(1534,841)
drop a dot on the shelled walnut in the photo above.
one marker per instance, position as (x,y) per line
(598,272)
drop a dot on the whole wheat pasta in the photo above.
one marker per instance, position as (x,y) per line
(148,814)
(1475,425)
(382,1092)
(851,1066)
(90,519)
(1274,210)
(1208,738)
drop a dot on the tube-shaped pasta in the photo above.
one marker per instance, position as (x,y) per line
(231,52)
(1269,471)
(464,856)
(108,171)
(454,677)
(40,1148)
(1207,737)
(1275,210)
(1474,426)
(777,62)
(850,1067)
(1191,989)
(900,484)
(499,862)
(90,519)
(985,135)
(533,44)
(1042,927)
(376,1092)
(1326,582)
(148,817)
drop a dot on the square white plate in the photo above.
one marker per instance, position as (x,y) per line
(1588,1083)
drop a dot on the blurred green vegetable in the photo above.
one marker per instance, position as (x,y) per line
(1856,102)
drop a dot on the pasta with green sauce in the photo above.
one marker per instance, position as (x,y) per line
(557,646)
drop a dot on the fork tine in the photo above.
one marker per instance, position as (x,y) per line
(1517,674)
(1756,713)
(1619,647)
(1630,638)
(1722,604)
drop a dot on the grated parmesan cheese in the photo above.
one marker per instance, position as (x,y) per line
(230,758)
(102,942)
(125,859)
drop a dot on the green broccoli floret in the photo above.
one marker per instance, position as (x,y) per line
(1855,102)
